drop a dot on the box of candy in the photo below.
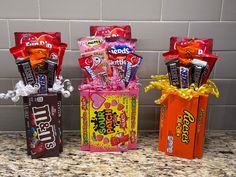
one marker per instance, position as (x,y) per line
(109,120)
(43,121)
(38,57)
(109,91)
(182,126)
(184,98)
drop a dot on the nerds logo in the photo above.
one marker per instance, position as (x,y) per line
(120,49)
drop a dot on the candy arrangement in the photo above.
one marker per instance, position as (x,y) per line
(109,91)
(184,98)
(39,56)
(109,62)
(189,61)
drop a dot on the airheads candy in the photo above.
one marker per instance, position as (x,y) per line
(38,39)
(86,63)
(88,44)
(132,64)
(121,45)
(111,31)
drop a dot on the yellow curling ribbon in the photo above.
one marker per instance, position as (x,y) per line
(162,83)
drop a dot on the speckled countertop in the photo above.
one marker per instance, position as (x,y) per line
(219,159)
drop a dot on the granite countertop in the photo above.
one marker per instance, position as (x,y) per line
(219,159)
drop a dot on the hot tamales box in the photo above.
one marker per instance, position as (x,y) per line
(109,120)
(182,126)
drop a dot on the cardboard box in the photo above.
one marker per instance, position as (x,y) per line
(43,123)
(182,126)
(109,120)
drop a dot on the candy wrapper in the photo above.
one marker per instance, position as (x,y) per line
(132,64)
(111,31)
(187,49)
(41,39)
(121,45)
(89,44)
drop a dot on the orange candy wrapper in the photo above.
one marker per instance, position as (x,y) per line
(183,117)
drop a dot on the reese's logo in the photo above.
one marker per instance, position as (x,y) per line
(183,126)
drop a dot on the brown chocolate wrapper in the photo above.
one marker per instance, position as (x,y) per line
(26,71)
(172,68)
(43,125)
(51,66)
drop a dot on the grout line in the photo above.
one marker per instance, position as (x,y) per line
(100,9)
(70,41)
(9,37)
(188,29)
(158,63)
(39,9)
(161,9)
(221,10)
(121,21)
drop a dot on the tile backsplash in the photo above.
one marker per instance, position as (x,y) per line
(153,22)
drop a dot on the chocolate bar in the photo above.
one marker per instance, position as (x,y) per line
(198,71)
(173,72)
(43,81)
(26,71)
(185,76)
(51,68)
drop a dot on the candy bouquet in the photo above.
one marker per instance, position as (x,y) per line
(184,99)
(39,57)
(109,91)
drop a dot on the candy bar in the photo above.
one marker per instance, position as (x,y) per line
(51,68)
(26,71)
(185,76)
(132,64)
(173,72)
(43,81)
(111,31)
(57,53)
(198,71)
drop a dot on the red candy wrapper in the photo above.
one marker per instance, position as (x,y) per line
(204,44)
(38,39)
(87,65)
(132,64)
(111,31)
(19,52)
(117,63)
(57,53)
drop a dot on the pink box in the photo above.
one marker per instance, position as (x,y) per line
(109,120)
